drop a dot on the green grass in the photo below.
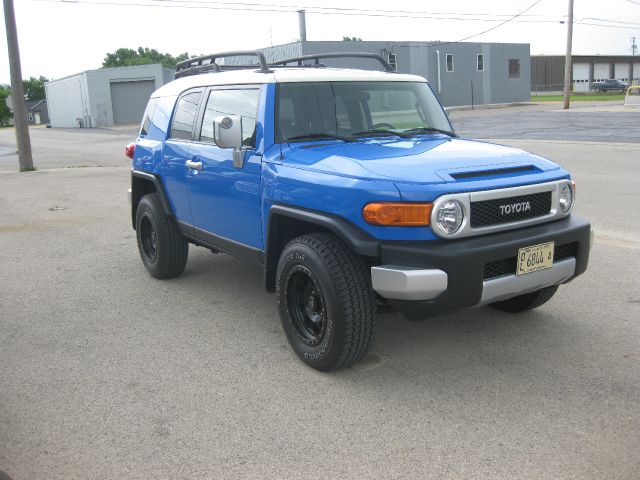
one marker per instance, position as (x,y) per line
(585,97)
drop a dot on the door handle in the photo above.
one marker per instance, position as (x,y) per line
(194,165)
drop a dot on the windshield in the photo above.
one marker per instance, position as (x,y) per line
(356,109)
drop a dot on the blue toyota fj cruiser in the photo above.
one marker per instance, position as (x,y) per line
(352,191)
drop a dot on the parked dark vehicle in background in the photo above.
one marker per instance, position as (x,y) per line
(609,85)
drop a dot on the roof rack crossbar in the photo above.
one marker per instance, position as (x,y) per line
(207,63)
(316,57)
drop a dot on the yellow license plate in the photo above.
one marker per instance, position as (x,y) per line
(535,258)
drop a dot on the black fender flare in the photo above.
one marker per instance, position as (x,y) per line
(138,179)
(359,241)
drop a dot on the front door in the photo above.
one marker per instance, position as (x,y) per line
(225,201)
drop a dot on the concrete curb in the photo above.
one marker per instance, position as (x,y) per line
(486,106)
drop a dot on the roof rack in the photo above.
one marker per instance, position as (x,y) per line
(207,63)
(299,60)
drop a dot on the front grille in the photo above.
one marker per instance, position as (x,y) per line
(499,268)
(505,210)
(507,266)
(567,250)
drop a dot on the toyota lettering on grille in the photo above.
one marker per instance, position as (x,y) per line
(514,208)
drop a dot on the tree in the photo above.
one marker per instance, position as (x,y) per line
(34,88)
(5,113)
(351,39)
(125,57)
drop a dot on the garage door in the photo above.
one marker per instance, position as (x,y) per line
(129,99)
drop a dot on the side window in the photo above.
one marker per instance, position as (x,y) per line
(240,102)
(393,61)
(148,115)
(480,63)
(514,68)
(449,59)
(185,116)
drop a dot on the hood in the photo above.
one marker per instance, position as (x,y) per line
(417,160)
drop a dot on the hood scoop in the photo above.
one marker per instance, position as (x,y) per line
(490,173)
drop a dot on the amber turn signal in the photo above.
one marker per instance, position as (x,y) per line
(397,214)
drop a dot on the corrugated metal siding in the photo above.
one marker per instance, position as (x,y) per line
(67,101)
(547,74)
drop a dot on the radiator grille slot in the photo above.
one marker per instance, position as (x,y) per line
(507,266)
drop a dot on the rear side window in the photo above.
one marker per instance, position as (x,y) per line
(185,116)
(148,115)
(241,102)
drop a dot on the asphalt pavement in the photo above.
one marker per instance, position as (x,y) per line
(106,372)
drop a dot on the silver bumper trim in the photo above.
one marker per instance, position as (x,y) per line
(407,283)
(129,196)
(512,285)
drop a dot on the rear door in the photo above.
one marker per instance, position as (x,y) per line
(225,200)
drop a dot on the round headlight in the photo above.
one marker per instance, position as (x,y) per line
(566,198)
(449,217)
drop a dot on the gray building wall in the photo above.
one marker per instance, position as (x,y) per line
(492,85)
(84,99)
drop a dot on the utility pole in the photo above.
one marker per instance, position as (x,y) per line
(17,90)
(567,60)
(634,47)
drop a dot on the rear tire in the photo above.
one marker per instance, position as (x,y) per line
(162,247)
(525,302)
(326,302)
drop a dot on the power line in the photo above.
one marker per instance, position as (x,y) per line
(262,5)
(605,26)
(242,6)
(279,8)
(500,24)
(610,21)
(319,10)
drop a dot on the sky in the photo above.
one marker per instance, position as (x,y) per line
(62,37)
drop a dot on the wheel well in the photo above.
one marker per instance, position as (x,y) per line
(284,228)
(139,188)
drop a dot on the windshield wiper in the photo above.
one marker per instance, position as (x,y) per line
(430,130)
(369,133)
(319,136)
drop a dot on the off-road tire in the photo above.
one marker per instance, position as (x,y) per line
(525,302)
(162,247)
(331,327)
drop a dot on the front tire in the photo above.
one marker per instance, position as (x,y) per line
(528,301)
(162,247)
(326,302)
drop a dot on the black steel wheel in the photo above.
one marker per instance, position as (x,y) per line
(148,238)
(163,249)
(306,305)
(326,303)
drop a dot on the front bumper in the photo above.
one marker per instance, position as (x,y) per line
(431,277)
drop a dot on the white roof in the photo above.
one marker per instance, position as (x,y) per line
(281,75)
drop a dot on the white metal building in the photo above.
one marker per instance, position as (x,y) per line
(104,97)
